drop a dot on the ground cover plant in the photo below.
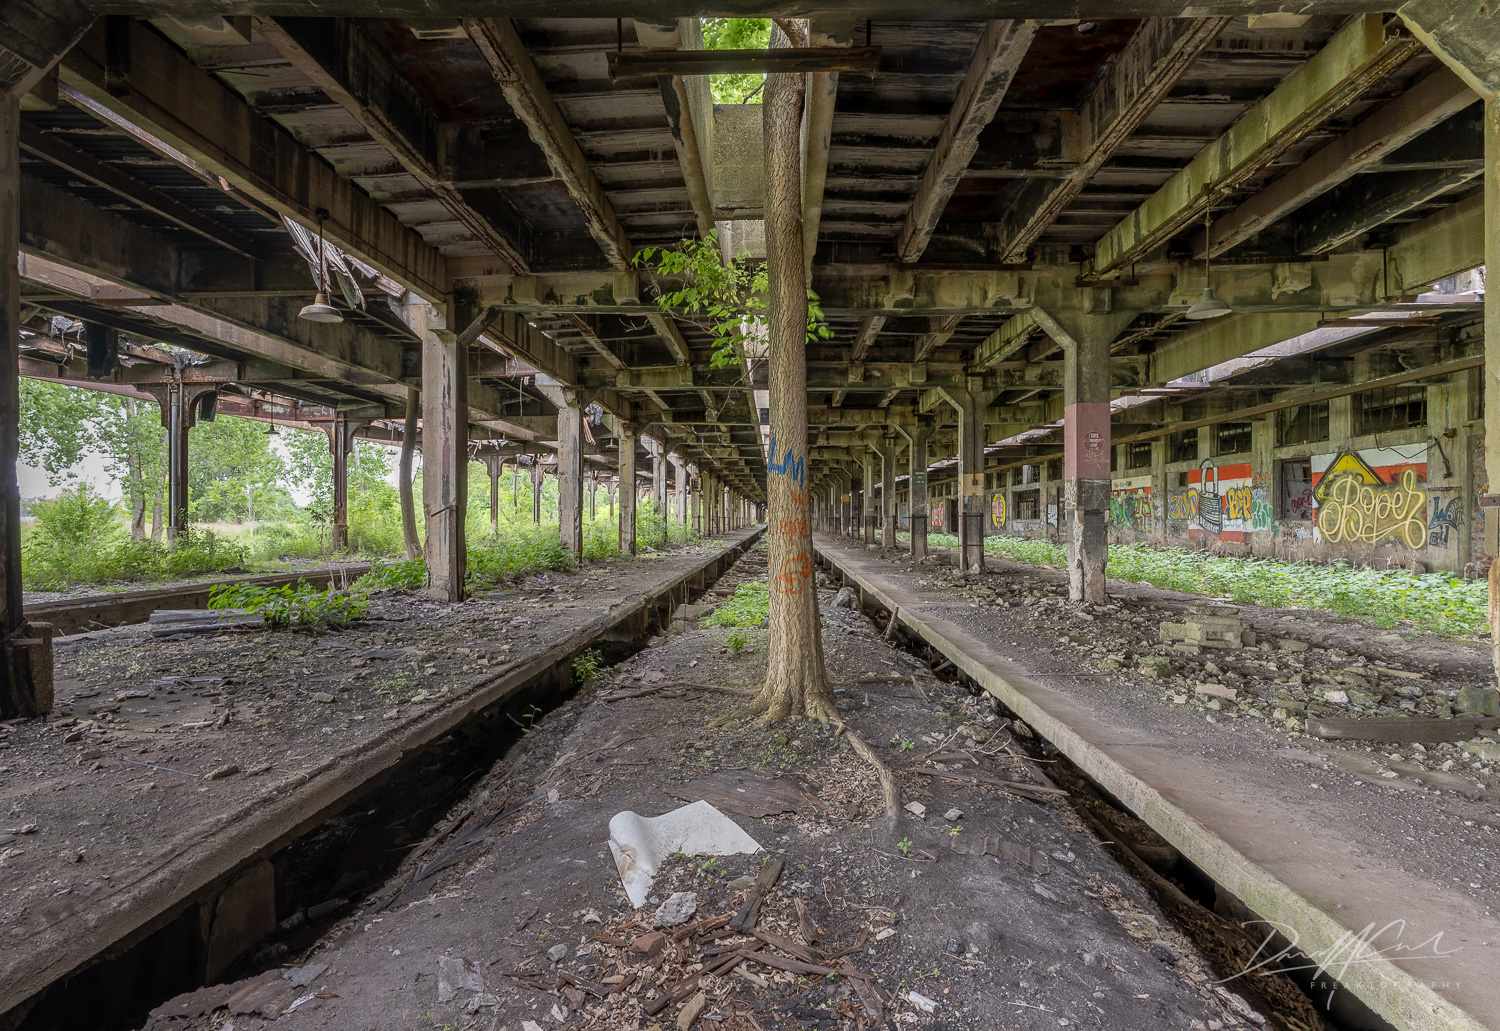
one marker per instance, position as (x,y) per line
(1441,602)
(747,607)
(299,604)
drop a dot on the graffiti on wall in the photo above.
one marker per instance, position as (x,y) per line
(1182,505)
(1443,521)
(1370,497)
(1217,502)
(997,512)
(1130,509)
(1261,516)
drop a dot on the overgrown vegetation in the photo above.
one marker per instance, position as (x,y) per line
(1440,602)
(300,604)
(80,537)
(588,666)
(748,607)
(736,34)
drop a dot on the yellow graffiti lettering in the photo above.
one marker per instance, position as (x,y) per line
(1182,505)
(1356,512)
(1237,503)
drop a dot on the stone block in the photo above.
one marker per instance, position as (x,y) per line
(1481,701)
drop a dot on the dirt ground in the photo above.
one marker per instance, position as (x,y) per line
(1006,914)
(1434,809)
(157,744)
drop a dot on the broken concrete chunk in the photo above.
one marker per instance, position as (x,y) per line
(649,944)
(847,598)
(953,814)
(922,1002)
(456,974)
(1204,632)
(558,953)
(677,910)
(1482,701)
(1229,694)
(917,809)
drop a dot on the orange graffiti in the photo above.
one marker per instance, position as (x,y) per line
(795,572)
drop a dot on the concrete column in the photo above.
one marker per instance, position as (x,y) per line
(659,485)
(846,502)
(867,497)
(695,499)
(1086,444)
(593,488)
(888,450)
(972,405)
(917,437)
(570,475)
(445,454)
(627,491)
(403,474)
(25,677)
(1159,488)
(679,470)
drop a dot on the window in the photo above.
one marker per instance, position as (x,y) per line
(1390,408)
(1232,438)
(1026,505)
(1305,424)
(1114,459)
(1184,446)
(1296,489)
(1139,455)
(1029,474)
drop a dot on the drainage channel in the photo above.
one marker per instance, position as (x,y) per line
(1290,991)
(325,866)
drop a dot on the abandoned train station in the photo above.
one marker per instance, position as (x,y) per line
(918,516)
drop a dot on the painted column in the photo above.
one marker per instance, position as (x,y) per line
(1492,364)
(846,502)
(1159,489)
(627,491)
(1086,444)
(867,497)
(679,470)
(1262,465)
(916,441)
(973,404)
(445,454)
(570,475)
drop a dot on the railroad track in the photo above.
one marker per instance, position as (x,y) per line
(100,611)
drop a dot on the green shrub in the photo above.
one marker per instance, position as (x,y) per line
(747,607)
(292,605)
(408,575)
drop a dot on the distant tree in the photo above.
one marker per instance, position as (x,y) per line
(234,475)
(736,34)
(60,425)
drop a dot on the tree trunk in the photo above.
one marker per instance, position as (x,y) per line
(137,482)
(408,451)
(796,682)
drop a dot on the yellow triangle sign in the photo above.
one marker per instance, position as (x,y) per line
(1348,463)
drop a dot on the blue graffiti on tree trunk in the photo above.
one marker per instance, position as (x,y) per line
(794,466)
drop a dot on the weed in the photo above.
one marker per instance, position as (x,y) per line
(737,641)
(588,666)
(904,846)
(907,746)
(714,868)
(747,607)
(298,604)
(409,575)
(953,831)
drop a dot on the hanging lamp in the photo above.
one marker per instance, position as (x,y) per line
(320,310)
(1208,306)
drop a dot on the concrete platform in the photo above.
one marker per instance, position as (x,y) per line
(206,848)
(1417,951)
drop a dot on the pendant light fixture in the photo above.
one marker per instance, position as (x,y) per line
(1208,306)
(320,310)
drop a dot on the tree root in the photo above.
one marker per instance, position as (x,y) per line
(889,786)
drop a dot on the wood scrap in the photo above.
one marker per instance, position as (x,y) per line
(1035,792)
(744,920)
(192,622)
